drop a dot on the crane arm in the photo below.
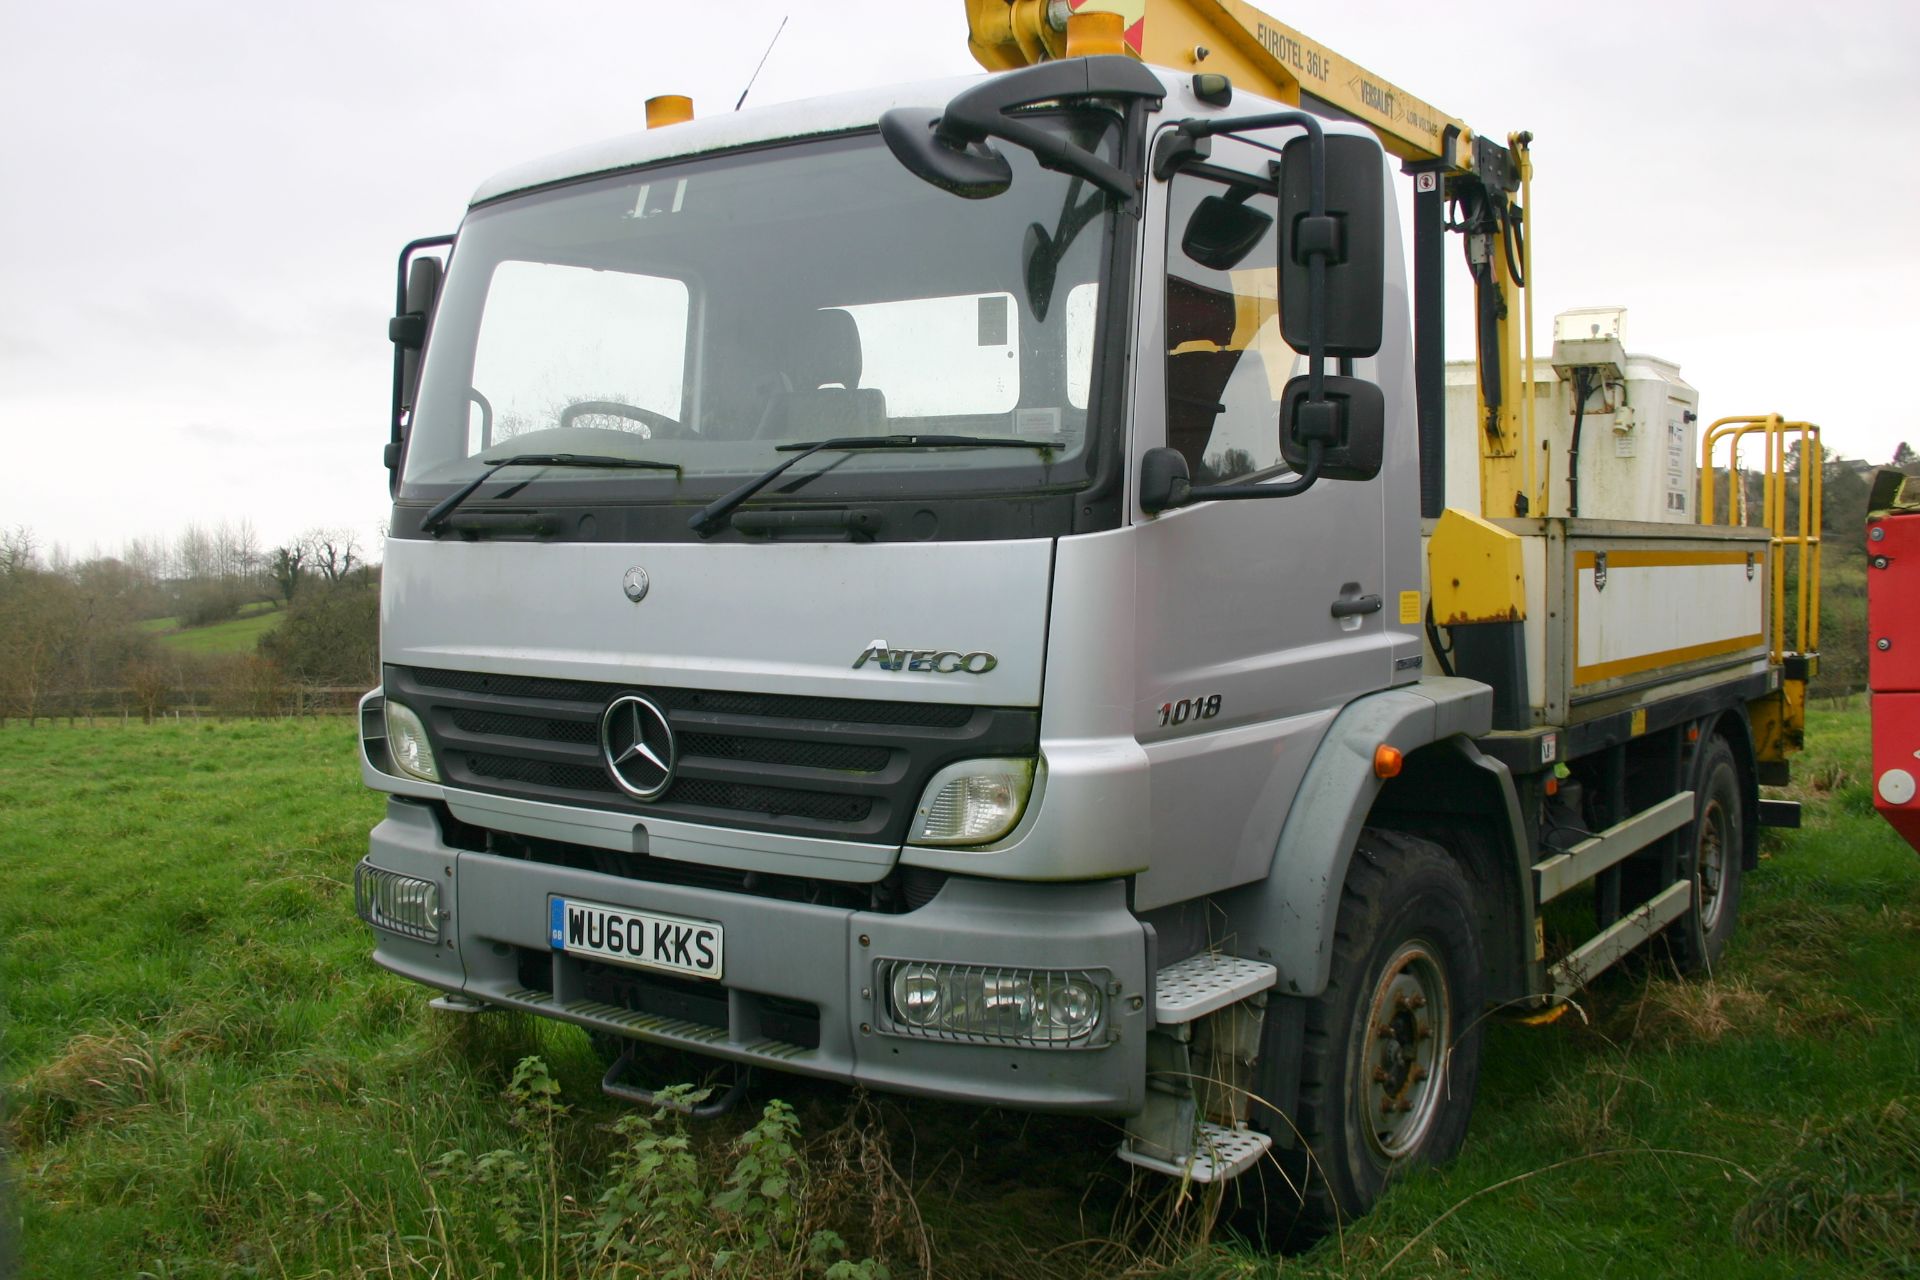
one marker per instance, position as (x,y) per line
(1234,39)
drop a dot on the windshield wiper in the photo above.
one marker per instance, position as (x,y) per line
(436,519)
(710,516)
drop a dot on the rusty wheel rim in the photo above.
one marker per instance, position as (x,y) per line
(1403,1060)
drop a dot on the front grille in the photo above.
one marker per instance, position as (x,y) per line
(544,773)
(496,724)
(849,768)
(934,715)
(774,800)
(807,755)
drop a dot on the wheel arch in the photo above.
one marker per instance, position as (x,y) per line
(1289,917)
(1466,802)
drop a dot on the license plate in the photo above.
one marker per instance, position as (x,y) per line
(638,938)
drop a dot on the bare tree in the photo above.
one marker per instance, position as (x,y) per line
(334,552)
(17,550)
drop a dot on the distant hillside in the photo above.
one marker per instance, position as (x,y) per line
(235,635)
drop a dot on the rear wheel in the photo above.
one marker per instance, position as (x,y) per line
(1712,861)
(1391,1054)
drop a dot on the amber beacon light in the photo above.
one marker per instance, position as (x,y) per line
(1090,33)
(668,108)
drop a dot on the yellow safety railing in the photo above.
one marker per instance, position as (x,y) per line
(1804,538)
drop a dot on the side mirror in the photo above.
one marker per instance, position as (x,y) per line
(416,292)
(1356,265)
(971,169)
(1164,480)
(1350,425)
(1222,232)
(949,148)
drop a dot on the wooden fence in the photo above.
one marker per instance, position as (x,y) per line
(189,702)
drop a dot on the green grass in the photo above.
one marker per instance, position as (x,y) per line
(209,1078)
(235,635)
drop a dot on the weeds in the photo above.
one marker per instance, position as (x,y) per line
(656,1208)
(1850,1189)
(97,1079)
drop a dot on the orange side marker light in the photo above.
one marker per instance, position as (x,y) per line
(1387,761)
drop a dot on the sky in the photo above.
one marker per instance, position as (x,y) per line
(200,203)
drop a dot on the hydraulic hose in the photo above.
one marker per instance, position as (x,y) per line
(1581,391)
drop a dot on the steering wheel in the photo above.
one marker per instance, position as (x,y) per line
(659,425)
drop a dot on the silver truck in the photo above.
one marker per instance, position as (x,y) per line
(941,589)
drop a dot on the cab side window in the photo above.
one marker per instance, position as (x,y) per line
(1226,361)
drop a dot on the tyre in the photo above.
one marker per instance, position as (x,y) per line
(1391,1052)
(1711,858)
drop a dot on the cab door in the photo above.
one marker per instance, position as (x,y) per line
(1258,619)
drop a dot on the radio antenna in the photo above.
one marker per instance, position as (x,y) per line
(763,62)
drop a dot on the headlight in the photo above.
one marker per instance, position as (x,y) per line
(972,802)
(407,743)
(1041,1008)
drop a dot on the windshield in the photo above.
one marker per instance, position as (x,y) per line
(705,313)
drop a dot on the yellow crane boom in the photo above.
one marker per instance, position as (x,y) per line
(1449,162)
(1233,39)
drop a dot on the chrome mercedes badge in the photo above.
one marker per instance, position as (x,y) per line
(637,743)
(635,584)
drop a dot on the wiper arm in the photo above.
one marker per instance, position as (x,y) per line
(710,516)
(436,519)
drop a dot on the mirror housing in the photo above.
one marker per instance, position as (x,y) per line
(1222,232)
(1350,424)
(1353,236)
(416,292)
(1164,480)
(969,169)
(949,148)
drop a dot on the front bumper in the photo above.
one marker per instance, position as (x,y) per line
(783,956)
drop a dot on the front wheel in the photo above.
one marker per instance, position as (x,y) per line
(1391,1055)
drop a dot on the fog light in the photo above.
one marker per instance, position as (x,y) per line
(1043,1008)
(917,997)
(973,802)
(405,905)
(407,743)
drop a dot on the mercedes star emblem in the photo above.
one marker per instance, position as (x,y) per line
(637,743)
(635,584)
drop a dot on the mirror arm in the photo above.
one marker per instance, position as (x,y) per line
(1318,232)
(1299,484)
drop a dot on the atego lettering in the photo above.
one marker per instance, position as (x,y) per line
(943,662)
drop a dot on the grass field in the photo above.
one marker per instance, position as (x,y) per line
(235,635)
(208,1078)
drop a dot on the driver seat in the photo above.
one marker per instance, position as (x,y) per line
(821,395)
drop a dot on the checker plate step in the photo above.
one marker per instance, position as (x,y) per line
(1219,1153)
(1200,984)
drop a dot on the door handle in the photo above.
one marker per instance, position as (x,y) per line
(1353,606)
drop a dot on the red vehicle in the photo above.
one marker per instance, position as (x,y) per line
(1893,660)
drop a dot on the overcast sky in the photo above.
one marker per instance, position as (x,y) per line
(200,203)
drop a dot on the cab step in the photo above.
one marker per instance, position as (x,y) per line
(1207,1013)
(1218,1153)
(1204,983)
